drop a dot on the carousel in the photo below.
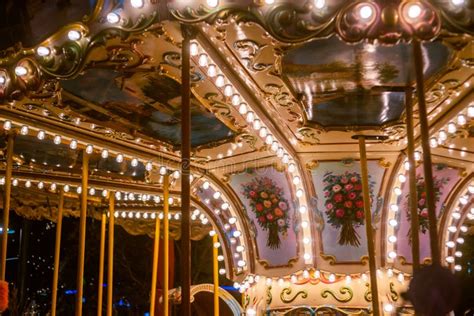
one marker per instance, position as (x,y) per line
(221,157)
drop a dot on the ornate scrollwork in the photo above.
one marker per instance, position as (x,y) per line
(249,51)
(393,293)
(269,297)
(287,291)
(343,291)
(309,135)
(368,293)
(173,59)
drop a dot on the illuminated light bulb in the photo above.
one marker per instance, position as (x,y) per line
(221,271)
(406,165)
(449,259)
(7,125)
(263,132)
(235,100)
(41,135)
(296,180)
(57,139)
(414,11)
(366,12)
(390,273)
(193,49)
(104,154)
(397,191)
(28,184)
(130,214)
(348,279)
(306,256)
(243,108)
(470,111)
(228,90)
(170,200)
(74,35)
(293,278)
(73,144)
(212,70)
(206,185)
(392,254)
(460,240)
(268,281)
(216,195)
(463,229)
(79,190)
(113,18)
(15,182)
(148,166)
(452,229)
(40,185)
(134,162)
(461,119)
(394,207)
(240,248)
(220,258)
(291,167)
(137,3)
(456,215)
(299,193)
(393,222)
(269,1)
(392,239)
(285,159)
(269,139)
(163,170)
(91,191)
(241,263)
(2,80)
(471,189)
(123,214)
(387,307)
(306,240)
(24,130)
(452,128)
(104,193)
(457,267)
(433,142)
(332,278)
(458,254)
(274,146)
(225,206)
(236,233)
(220,81)
(89,149)
(304,224)
(257,124)
(202,61)
(279,152)
(153,215)
(463,200)
(402,178)
(319,4)
(417,156)
(401,277)
(21,71)
(443,135)
(250,117)
(43,51)
(138,215)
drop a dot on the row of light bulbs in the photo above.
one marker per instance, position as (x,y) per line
(229,92)
(455,227)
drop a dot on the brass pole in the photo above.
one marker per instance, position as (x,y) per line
(57,252)
(166,250)
(110,260)
(154,271)
(415,239)
(6,205)
(425,145)
(185,171)
(82,234)
(215,273)
(100,281)
(368,226)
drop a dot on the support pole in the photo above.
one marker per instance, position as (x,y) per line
(100,281)
(57,252)
(368,226)
(415,239)
(185,171)
(215,273)
(110,259)
(166,251)
(154,271)
(6,205)
(82,233)
(425,145)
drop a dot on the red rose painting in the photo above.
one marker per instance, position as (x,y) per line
(270,208)
(344,205)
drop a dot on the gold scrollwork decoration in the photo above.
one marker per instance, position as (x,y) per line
(343,291)
(368,293)
(269,297)
(286,292)
(393,293)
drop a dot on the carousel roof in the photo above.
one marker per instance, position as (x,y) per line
(279,89)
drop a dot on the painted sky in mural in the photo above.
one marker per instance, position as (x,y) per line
(148,102)
(335,80)
(266,195)
(338,207)
(444,179)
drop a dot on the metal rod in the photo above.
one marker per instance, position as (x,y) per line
(110,260)
(415,238)
(57,253)
(425,145)
(368,226)
(6,205)
(185,171)
(82,233)
(100,281)
(215,273)
(154,271)
(166,223)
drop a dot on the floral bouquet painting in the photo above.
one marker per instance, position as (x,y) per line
(270,208)
(422,207)
(344,205)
